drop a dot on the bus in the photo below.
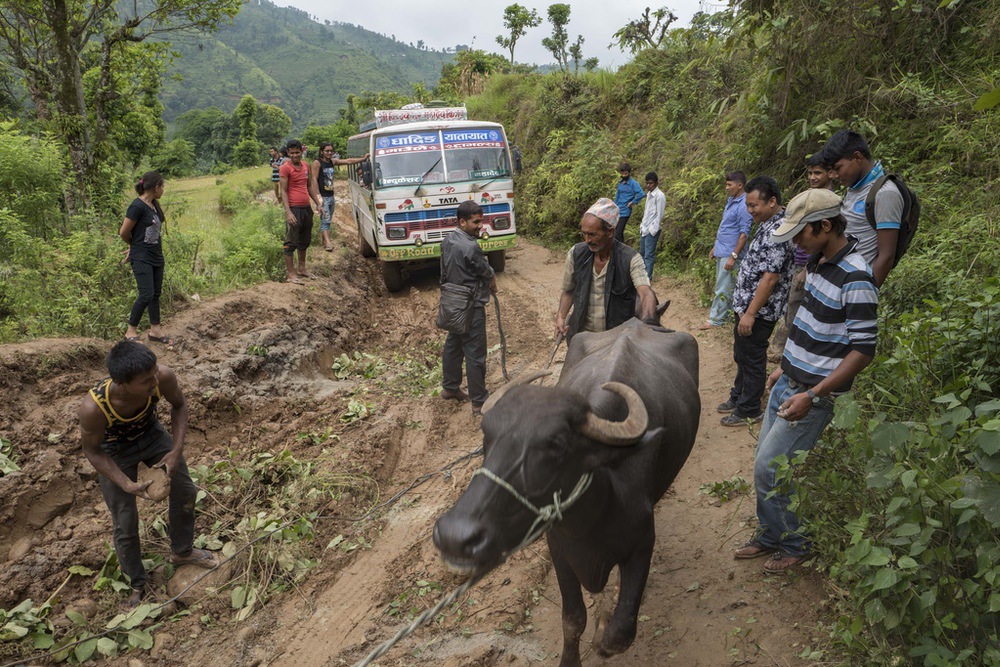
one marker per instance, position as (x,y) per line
(423,163)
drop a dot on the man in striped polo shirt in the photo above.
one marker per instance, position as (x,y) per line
(831,340)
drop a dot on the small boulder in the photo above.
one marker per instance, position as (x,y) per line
(186,575)
(20,549)
(160,487)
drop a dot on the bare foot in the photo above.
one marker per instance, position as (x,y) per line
(294,280)
(305,274)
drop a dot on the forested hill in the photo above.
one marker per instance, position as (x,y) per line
(283,57)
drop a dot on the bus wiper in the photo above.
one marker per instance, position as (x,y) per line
(417,193)
(476,187)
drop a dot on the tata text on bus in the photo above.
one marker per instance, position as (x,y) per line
(425,162)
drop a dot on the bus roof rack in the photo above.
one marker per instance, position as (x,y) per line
(390,117)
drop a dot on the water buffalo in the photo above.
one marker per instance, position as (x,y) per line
(625,409)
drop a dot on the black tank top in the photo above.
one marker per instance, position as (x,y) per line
(119,429)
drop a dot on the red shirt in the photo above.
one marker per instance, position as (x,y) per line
(298,183)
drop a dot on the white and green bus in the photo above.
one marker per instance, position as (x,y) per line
(424,162)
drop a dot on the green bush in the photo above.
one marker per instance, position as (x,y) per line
(903,499)
(248,153)
(232,199)
(32,173)
(253,246)
(174,159)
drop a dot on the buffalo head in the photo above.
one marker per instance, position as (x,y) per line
(540,440)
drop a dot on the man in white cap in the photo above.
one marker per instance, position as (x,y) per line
(832,339)
(603,276)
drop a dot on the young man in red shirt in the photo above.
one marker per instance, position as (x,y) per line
(298,193)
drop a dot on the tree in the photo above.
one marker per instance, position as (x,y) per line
(273,124)
(645,32)
(556,44)
(576,53)
(174,159)
(52,43)
(248,152)
(466,75)
(517,19)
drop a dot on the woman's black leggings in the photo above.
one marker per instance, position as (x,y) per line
(149,280)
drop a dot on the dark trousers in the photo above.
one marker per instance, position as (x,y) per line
(472,348)
(620,229)
(149,280)
(150,449)
(750,355)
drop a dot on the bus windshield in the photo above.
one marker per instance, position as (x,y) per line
(411,158)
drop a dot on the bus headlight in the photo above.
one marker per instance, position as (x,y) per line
(395,232)
(502,222)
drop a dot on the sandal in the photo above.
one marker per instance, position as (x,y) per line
(328,248)
(166,340)
(752,549)
(780,563)
(134,339)
(198,557)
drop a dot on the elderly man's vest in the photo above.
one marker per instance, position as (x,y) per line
(619,292)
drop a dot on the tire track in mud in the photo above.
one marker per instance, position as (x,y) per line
(347,617)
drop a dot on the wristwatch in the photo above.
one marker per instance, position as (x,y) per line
(813,396)
(734,255)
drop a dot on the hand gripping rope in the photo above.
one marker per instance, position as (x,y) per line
(544,517)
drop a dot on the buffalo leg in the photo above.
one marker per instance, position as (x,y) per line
(574,611)
(633,572)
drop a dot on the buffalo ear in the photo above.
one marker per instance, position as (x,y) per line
(598,455)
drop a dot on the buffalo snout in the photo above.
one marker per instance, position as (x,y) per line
(464,544)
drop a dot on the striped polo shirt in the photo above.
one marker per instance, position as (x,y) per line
(837,315)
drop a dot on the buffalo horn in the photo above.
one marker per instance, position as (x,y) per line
(524,379)
(622,433)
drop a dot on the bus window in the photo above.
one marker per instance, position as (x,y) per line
(475,154)
(408,159)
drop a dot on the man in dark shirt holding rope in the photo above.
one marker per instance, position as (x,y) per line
(464,263)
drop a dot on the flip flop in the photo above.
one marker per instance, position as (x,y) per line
(328,248)
(133,339)
(294,281)
(166,340)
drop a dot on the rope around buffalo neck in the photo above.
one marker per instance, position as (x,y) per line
(544,517)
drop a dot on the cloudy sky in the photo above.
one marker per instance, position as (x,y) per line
(449,22)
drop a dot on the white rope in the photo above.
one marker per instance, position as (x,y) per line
(544,517)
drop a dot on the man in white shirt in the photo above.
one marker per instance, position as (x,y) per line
(649,229)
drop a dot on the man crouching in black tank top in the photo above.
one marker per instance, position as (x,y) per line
(118,430)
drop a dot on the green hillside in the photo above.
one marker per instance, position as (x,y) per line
(281,56)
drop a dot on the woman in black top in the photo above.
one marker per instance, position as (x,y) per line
(141,229)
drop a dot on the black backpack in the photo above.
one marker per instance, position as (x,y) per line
(911,212)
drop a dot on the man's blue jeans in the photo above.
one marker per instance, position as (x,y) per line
(647,248)
(778,528)
(725,281)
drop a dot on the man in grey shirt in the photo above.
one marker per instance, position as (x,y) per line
(847,155)
(464,263)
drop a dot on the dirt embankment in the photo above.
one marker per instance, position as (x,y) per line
(258,370)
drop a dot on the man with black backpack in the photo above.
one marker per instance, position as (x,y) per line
(880,209)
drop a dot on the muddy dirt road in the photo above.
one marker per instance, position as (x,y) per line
(263,372)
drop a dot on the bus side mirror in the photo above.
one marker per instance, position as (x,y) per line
(366,173)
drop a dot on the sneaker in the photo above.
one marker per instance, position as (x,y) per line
(198,557)
(735,420)
(453,395)
(726,407)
